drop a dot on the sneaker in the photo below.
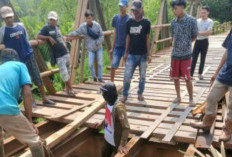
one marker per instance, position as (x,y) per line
(200,76)
(192,103)
(95,79)
(176,101)
(101,80)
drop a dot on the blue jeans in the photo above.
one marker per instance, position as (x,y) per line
(118,54)
(132,62)
(99,54)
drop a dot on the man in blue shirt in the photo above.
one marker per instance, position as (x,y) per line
(221,86)
(14,36)
(12,120)
(118,50)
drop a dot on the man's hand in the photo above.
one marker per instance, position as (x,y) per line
(148,59)
(35,128)
(52,41)
(122,150)
(213,78)
(111,54)
(125,57)
(97,125)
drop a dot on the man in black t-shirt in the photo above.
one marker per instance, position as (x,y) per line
(58,51)
(137,49)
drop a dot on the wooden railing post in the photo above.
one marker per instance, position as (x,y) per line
(82,6)
(2,153)
(43,67)
(82,64)
(157,30)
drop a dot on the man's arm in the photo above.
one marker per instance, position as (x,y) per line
(194,30)
(114,40)
(206,33)
(77,34)
(223,61)
(127,47)
(46,38)
(2,33)
(28,101)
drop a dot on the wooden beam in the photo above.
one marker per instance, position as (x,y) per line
(177,125)
(62,134)
(49,72)
(2,153)
(82,64)
(102,22)
(156,123)
(82,6)
(133,147)
(157,30)
(43,67)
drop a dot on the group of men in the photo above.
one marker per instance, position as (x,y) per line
(132,43)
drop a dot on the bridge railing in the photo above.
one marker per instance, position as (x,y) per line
(220,28)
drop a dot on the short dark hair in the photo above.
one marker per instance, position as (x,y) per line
(88,13)
(206,8)
(178,3)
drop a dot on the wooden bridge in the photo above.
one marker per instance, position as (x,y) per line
(155,120)
(157,125)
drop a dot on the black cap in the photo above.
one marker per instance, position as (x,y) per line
(109,92)
(136,5)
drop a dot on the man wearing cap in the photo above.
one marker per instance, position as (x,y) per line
(119,43)
(58,50)
(14,36)
(137,49)
(12,120)
(183,30)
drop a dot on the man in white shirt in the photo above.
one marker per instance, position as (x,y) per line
(205,26)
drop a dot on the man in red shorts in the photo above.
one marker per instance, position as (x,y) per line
(184,31)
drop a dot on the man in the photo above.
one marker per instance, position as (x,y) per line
(184,31)
(138,47)
(58,51)
(116,126)
(11,119)
(205,26)
(14,36)
(119,43)
(221,86)
(93,35)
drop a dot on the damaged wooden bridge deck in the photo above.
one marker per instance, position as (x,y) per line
(154,120)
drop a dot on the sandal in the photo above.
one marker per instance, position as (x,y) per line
(140,98)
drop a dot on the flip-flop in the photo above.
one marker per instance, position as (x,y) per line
(48,102)
(123,99)
(71,93)
(141,98)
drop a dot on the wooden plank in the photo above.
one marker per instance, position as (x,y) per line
(133,147)
(82,6)
(177,125)
(179,122)
(75,109)
(62,134)
(156,123)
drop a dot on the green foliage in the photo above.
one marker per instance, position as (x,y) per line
(220,9)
